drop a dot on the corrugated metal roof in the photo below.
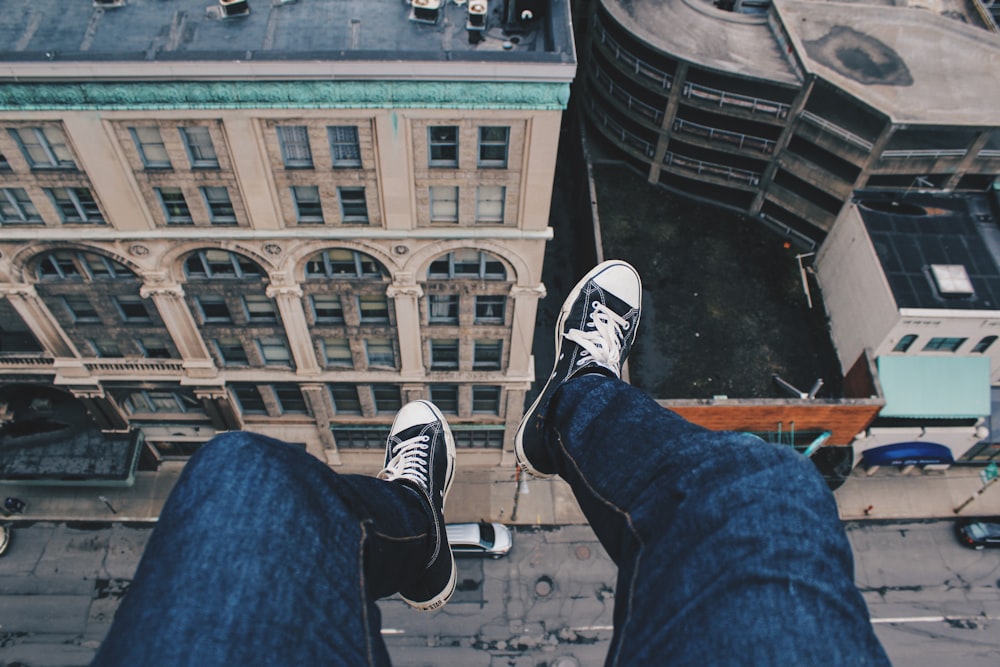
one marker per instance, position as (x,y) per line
(935,387)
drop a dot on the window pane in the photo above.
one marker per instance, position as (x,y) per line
(343,264)
(260,308)
(374,308)
(327,309)
(231,351)
(344,147)
(175,206)
(154,347)
(199,146)
(444,203)
(443,143)
(274,351)
(16,208)
(445,397)
(444,353)
(76,205)
(249,399)
(214,309)
(294,140)
(443,308)
(345,399)
(490,203)
(380,352)
(493,146)
(104,346)
(486,400)
(336,351)
(488,354)
(45,147)
(387,398)
(151,149)
(490,308)
(353,206)
(220,207)
(307,204)
(80,309)
(290,399)
(132,308)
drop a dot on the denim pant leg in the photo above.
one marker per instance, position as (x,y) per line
(730,550)
(264,556)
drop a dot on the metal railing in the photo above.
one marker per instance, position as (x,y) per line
(627,138)
(989,152)
(24,360)
(846,135)
(149,366)
(737,139)
(638,66)
(702,168)
(622,95)
(924,154)
(722,99)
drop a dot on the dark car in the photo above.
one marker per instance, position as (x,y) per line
(978,533)
(479,539)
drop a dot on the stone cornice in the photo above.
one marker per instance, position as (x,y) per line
(298,94)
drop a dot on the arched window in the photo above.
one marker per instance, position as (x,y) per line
(340,263)
(467,264)
(220,264)
(80,265)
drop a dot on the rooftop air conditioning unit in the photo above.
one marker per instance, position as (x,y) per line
(425,11)
(477,15)
(234,7)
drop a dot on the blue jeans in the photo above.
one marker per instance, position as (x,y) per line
(729,549)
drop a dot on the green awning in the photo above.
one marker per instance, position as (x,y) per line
(935,387)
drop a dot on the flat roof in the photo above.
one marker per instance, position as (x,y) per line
(697,31)
(913,233)
(921,63)
(145,33)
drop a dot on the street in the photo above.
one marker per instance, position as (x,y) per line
(549,602)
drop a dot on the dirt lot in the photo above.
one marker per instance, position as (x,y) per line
(724,306)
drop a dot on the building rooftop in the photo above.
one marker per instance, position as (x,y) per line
(923,62)
(934,248)
(151,35)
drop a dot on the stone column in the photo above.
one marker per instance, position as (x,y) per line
(180,324)
(215,401)
(522,329)
(39,319)
(405,295)
(288,297)
(101,407)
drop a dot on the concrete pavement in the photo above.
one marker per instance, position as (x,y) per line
(496,494)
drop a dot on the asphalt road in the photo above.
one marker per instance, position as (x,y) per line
(549,602)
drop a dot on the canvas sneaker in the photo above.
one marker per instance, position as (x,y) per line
(594,333)
(420,453)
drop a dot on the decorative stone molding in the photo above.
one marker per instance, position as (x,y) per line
(284,290)
(537,291)
(161,289)
(392,291)
(318,94)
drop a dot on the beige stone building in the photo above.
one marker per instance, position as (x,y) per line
(289,221)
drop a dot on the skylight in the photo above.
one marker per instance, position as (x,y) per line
(952,280)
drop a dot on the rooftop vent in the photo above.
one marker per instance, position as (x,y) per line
(425,11)
(234,7)
(952,280)
(477,15)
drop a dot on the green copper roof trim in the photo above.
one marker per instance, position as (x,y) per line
(285,95)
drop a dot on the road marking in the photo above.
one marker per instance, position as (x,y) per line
(393,631)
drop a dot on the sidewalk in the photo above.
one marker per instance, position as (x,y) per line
(496,495)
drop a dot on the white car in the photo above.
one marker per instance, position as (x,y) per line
(479,539)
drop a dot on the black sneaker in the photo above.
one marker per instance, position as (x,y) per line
(420,452)
(598,322)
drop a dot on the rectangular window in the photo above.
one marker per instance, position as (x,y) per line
(353,205)
(444,203)
(149,143)
(154,347)
(387,398)
(294,141)
(442,142)
(213,309)
(487,355)
(290,399)
(175,206)
(249,399)
(44,147)
(259,308)
(490,308)
(345,399)
(380,352)
(493,147)
(4,164)
(220,207)
(445,397)
(274,351)
(231,351)
(80,309)
(944,344)
(336,352)
(984,344)
(132,308)
(905,343)
(76,205)
(201,151)
(486,400)
(327,309)
(444,354)
(374,308)
(16,208)
(360,437)
(308,208)
(159,401)
(490,204)
(344,146)
(443,309)
(104,346)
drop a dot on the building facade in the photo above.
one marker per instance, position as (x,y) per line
(268,222)
(782,109)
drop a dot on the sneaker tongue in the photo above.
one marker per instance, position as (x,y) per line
(409,433)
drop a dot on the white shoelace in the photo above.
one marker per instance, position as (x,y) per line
(409,461)
(603,345)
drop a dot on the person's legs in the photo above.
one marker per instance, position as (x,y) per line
(729,549)
(264,556)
